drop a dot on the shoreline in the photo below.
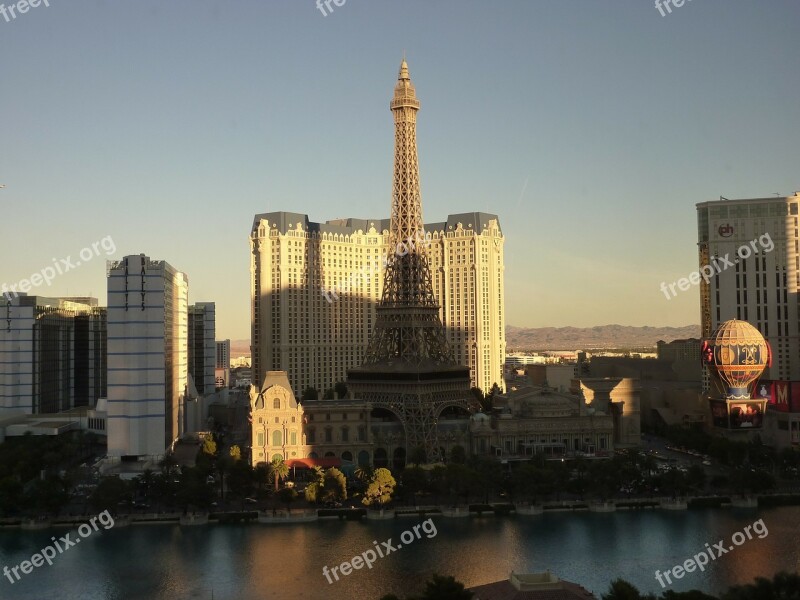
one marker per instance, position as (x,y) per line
(476,510)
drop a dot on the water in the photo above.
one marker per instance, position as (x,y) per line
(256,562)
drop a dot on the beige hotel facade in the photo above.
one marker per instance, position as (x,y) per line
(315,286)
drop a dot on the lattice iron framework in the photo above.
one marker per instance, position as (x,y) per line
(409,367)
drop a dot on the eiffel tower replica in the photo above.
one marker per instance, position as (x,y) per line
(409,368)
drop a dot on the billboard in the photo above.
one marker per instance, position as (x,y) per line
(748,414)
(783,396)
(719,413)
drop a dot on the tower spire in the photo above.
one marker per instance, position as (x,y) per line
(408,366)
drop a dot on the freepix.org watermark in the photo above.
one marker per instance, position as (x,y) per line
(10,12)
(368,557)
(402,248)
(718,264)
(327,4)
(59,546)
(60,266)
(702,558)
(665,4)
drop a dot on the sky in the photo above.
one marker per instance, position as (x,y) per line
(592,128)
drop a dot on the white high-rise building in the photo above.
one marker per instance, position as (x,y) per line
(315,286)
(147,355)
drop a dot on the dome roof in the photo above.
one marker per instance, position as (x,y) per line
(736,332)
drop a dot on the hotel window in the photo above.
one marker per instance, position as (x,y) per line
(311,435)
(260,439)
(328,434)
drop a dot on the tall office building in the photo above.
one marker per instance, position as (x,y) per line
(147,355)
(202,346)
(52,353)
(223,354)
(223,364)
(750,248)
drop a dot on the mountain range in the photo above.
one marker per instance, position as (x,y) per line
(568,338)
(588,338)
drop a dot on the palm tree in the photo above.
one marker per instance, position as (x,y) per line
(364,473)
(279,470)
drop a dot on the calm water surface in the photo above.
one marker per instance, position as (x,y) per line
(255,562)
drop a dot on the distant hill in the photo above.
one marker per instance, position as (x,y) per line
(567,338)
(602,336)
(240,348)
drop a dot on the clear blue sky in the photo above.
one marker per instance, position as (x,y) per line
(592,128)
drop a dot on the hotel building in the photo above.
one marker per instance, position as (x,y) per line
(147,355)
(760,238)
(315,286)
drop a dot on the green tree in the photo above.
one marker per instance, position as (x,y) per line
(313,491)
(380,489)
(784,586)
(193,491)
(341,389)
(417,456)
(414,481)
(210,446)
(335,485)
(278,470)
(287,495)
(439,587)
(690,595)
(10,495)
(364,473)
(696,477)
(621,590)
(236,453)
(109,494)
(458,455)
(310,393)
(240,479)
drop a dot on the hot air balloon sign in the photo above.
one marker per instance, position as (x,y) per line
(737,354)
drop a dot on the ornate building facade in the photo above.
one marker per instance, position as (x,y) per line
(341,429)
(542,421)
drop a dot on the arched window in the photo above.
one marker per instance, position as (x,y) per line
(276,404)
(293,437)
(277,437)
